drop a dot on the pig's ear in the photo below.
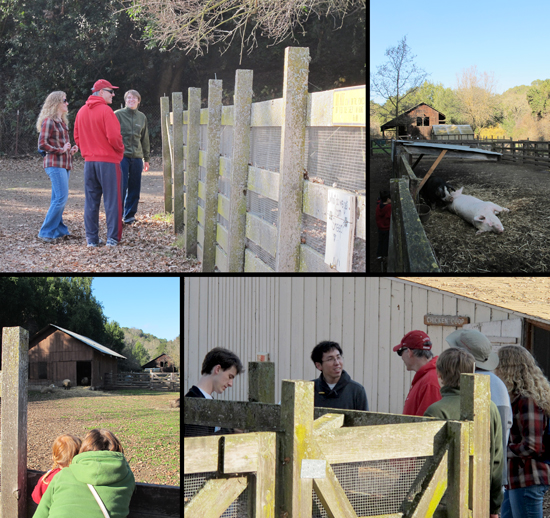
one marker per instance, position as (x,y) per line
(479,218)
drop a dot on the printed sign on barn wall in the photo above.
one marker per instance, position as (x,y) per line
(340,230)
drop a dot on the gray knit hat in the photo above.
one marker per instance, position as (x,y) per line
(477,344)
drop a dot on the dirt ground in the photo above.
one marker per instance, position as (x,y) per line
(522,188)
(149,245)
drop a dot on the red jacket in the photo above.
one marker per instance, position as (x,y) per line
(97,132)
(383,215)
(42,484)
(424,390)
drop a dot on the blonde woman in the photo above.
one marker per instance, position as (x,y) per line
(528,474)
(53,126)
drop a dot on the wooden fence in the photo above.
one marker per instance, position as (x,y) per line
(148,501)
(168,381)
(266,186)
(295,449)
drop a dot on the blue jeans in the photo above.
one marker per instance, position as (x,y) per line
(53,225)
(524,502)
(131,185)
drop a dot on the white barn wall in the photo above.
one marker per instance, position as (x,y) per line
(287,317)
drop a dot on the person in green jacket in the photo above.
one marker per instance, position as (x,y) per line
(99,467)
(133,126)
(451,363)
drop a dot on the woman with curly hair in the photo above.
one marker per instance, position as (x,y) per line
(53,126)
(528,474)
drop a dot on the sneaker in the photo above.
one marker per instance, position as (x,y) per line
(111,242)
(95,245)
(46,239)
(129,221)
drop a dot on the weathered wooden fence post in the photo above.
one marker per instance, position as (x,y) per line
(293,141)
(239,169)
(15,362)
(261,382)
(212,174)
(475,406)
(192,170)
(166,155)
(177,164)
(297,423)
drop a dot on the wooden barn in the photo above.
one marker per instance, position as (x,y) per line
(56,354)
(417,122)
(162,362)
(287,317)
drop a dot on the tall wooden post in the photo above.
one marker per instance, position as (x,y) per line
(177,165)
(297,423)
(166,156)
(293,141)
(475,406)
(212,174)
(239,169)
(192,171)
(15,362)
(261,382)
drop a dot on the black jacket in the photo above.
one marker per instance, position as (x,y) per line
(197,430)
(347,394)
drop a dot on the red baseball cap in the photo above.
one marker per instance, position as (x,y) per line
(102,83)
(415,340)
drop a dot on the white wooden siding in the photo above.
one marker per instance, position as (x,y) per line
(287,317)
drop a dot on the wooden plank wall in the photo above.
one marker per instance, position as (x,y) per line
(287,317)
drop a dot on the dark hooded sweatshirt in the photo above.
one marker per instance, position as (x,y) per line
(347,394)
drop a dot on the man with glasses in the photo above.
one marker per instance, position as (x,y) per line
(334,388)
(415,351)
(97,134)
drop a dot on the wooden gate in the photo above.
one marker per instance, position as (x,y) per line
(309,451)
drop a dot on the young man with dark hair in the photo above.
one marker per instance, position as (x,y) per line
(334,388)
(219,368)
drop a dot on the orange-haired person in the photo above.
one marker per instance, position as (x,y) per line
(65,447)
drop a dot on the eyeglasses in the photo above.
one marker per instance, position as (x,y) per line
(337,359)
(401,351)
(112,92)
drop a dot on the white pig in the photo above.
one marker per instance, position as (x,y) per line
(481,214)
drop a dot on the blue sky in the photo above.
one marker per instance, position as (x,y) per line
(506,37)
(148,303)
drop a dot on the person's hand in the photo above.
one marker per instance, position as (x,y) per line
(66,147)
(74,149)
(145,167)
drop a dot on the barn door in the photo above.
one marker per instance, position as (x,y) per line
(501,332)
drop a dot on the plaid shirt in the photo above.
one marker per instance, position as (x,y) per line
(53,136)
(525,445)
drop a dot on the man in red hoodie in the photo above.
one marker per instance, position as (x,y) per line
(415,351)
(97,134)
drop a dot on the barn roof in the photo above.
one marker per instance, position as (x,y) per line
(525,295)
(87,341)
(154,359)
(395,122)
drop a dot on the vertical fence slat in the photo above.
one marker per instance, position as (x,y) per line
(239,169)
(293,139)
(192,170)
(15,362)
(166,158)
(212,173)
(177,165)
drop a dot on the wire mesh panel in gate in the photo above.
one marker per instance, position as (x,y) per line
(375,487)
(193,483)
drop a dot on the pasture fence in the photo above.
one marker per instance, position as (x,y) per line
(300,461)
(167,381)
(148,500)
(270,186)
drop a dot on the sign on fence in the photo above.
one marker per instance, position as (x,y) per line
(340,230)
(348,107)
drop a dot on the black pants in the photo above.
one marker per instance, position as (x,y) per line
(383,242)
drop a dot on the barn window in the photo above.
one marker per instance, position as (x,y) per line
(419,121)
(42,370)
(426,121)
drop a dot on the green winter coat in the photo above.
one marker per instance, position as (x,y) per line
(68,495)
(133,126)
